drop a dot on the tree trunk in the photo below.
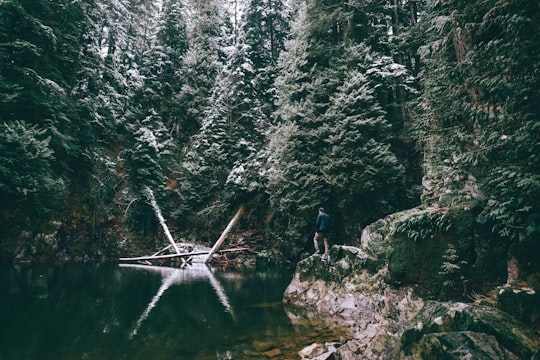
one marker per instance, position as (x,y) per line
(225,233)
(150,195)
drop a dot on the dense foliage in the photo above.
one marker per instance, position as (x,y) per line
(478,114)
(282,107)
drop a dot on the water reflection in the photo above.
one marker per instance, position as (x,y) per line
(171,276)
(140,312)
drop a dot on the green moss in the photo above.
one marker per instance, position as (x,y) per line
(419,252)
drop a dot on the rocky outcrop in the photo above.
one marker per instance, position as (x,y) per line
(444,252)
(387,322)
(350,289)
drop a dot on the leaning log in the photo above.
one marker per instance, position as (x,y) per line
(150,195)
(223,236)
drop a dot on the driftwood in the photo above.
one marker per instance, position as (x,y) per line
(223,236)
(186,256)
(170,256)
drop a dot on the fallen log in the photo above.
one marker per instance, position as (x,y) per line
(223,236)
(150,196)
(170,256)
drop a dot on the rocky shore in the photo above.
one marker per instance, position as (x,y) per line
(389,320)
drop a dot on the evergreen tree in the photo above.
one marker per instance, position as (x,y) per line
(365,175)
(230,134)
(209,111)
(334,97)
(29,186)
(208,35)
(479,115)
(173,37)
(152,143)
(40,63)
(266,27)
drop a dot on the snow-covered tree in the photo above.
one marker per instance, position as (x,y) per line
(478,116)
(363,172)
(208,34)
(335,93)
(152,144)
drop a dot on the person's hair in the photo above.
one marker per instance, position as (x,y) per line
(321,209)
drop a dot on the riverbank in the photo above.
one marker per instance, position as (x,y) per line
(357,287)
(393,323)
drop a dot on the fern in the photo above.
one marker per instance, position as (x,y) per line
(423,226)
(451,268)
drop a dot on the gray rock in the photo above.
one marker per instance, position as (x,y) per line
(449,318)
(461,345)
(393,323)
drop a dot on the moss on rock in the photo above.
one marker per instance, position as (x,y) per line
(445,252)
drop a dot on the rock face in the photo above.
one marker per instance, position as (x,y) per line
(445,253)
(350,290)
(355,289)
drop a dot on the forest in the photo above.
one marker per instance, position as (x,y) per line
(365,107)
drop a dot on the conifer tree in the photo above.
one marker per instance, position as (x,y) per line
(172,36)
(208,35)
(265,29)
(40,67)
(338,151)
(358,163)
(152,144)
(478,114)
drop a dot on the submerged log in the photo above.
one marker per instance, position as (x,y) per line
(170,256)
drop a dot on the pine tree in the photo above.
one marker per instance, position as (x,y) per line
(266,27)
(173,37)
(358,163)
(29,186)
(208,35)
(41,63)
(152,144)
(335,94)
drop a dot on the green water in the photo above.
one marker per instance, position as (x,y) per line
(124,312)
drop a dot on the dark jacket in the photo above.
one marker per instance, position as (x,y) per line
(323,223)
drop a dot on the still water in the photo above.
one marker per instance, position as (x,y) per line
(111,311)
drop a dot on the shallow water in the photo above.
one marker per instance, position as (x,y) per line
(111,311)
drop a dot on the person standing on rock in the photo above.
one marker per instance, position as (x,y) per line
(322,229)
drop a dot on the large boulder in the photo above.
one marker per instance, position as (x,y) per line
(445,252)
(521,300)
(460,345)
(350,290)
(482,331)
(348,286)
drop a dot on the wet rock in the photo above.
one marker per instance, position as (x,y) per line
(438,317)
(521,300)
(311,351)
(350,351)
(461,345)
(351,296)
(421,238)
(348,289)
(273,353)
(262,345)
(357,288)
(382,346)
